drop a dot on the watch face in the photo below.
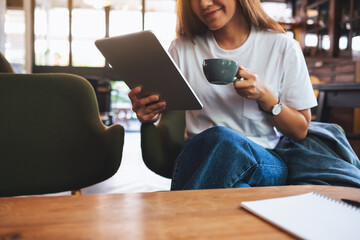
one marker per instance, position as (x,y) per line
(276,109)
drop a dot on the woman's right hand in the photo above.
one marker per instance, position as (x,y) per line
(146,112)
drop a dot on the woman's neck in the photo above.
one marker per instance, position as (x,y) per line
(233,34)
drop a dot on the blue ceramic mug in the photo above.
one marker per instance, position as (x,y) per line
(221,71)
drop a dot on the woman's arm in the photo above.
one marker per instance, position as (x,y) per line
(292,123)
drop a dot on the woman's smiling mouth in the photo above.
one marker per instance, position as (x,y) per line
(209,14)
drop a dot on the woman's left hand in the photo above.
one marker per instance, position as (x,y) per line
(252,87)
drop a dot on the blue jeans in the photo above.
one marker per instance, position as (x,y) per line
(222,158)
(324,157)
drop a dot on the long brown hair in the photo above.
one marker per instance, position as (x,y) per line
(189,25)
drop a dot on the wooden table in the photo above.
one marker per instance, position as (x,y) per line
(203,214)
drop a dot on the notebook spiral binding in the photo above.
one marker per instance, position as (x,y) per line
(337,201)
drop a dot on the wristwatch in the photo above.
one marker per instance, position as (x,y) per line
(276,109)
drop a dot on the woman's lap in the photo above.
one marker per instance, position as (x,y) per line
(322,158)
(222,158)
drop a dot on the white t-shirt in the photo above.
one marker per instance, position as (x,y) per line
(278,61)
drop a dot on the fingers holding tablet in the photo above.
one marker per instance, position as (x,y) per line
(147,108)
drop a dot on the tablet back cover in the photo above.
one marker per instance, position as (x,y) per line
(140,60)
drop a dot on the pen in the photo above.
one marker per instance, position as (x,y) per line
(351,202)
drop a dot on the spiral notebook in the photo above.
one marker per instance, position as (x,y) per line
(309,216)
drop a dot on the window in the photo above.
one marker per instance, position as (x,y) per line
(343,42)
(325,42)
(280,12)
(65,30)
(125,17)
(356,43)
(87,25)
(355,38)
(350,28)
(311,40)
(157,12)
(284,13)
(317,40)
(15,39)
(336,24)
(51,32)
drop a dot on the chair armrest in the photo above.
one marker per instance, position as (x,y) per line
(162,143)
(114,141)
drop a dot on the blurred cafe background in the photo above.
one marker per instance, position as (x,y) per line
(38,36)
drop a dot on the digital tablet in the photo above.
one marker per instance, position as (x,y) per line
(140,60)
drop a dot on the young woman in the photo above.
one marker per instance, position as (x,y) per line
(231,140)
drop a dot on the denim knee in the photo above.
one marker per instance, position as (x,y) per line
(218,134)
(220,157)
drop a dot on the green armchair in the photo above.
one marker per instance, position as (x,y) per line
(161,143)
(5,66)
(51,135)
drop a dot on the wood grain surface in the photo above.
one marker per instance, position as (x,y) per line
(200,214)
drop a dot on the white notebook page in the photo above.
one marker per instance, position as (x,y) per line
(309,216)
